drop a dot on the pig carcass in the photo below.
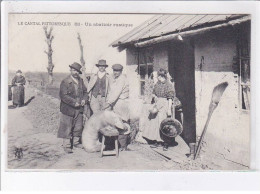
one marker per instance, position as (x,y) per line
(96,122)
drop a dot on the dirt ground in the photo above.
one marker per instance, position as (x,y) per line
(42,149)
(34,128)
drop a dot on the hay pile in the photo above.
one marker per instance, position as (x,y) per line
(43,111)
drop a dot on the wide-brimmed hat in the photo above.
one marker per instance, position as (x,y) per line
(117,67)
(76,66)
(102,63)
(19,71)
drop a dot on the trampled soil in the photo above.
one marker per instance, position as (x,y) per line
(34,128)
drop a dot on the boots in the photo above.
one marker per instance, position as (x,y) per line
(67,146)
(77,142)
(165,146)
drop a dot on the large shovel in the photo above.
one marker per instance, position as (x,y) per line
(216,95)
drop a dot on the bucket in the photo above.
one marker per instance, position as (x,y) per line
(171,127)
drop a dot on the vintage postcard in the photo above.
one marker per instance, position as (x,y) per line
(129,92)
(112,95)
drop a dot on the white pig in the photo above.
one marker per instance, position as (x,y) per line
(96,122)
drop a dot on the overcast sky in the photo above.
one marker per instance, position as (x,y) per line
(27,42)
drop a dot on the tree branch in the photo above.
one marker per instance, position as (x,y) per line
(81,51)
(52,37)
(50,31)
(45,31)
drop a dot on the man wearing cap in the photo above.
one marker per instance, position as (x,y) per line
(117,99)
(73,95)
(97,87)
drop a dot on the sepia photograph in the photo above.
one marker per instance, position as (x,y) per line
(129,92)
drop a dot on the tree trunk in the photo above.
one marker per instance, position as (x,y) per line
(50,78)
(49,39)
(87,108)
(84,76)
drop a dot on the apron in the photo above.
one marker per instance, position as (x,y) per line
(151,126)
(18,95)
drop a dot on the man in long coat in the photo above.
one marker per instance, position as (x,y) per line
(73,95)
(98,86)
(118,99)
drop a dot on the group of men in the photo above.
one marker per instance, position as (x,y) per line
(101,92)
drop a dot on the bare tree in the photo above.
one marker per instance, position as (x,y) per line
(82,61)
(49,39)
(87,109)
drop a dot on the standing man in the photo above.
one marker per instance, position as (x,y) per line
(73,95)
(97,87)
(117,99)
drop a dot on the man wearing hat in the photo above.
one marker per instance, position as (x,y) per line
(117,99)
(97,87)
(73,95)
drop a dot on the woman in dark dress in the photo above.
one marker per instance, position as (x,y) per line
(18,83)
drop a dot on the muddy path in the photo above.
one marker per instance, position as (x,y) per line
(33,128)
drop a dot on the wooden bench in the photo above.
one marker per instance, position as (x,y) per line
(112,133)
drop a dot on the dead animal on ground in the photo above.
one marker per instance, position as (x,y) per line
(90,140)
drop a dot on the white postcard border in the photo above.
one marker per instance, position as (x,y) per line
(133,180)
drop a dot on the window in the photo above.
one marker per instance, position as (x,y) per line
(244,70)
(145,66)
(245,84)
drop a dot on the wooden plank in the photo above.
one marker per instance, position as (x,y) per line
(159,31)
(147,147)
(176,154)
(191,32)
(110,152)
(148,23)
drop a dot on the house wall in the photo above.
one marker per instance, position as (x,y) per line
(229,129)
(160,61)
(132,72)
(160,57)
(134,83)
(228,132)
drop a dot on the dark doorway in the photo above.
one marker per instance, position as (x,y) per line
(182,69)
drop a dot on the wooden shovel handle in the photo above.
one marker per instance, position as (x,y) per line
(212,107)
